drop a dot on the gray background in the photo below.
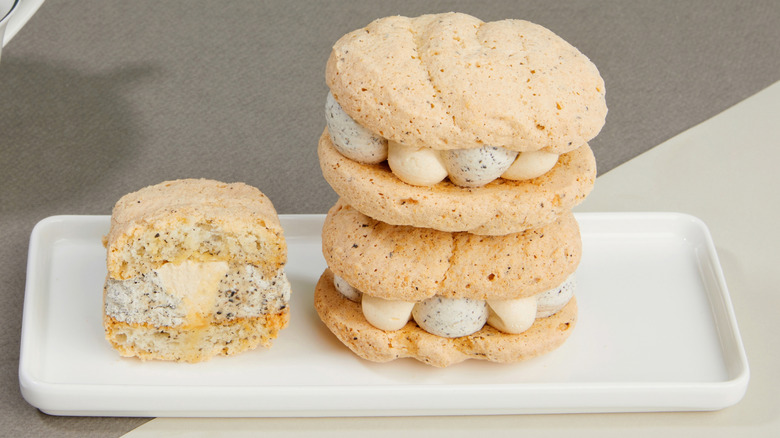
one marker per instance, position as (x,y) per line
(99,98)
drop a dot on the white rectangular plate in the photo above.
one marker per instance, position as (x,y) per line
(656,332)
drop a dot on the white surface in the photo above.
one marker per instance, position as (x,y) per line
(656,333)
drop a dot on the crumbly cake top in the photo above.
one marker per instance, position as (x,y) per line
(197,219)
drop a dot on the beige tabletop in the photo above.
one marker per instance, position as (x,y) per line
(101,98)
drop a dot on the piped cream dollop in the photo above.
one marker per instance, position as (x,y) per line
(529,165)
(512,316)
(346,289)
(416,166)
(350,139)
(450,317)
(478,166)
(551,301)
(386,314)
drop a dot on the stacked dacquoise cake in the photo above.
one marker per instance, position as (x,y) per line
(195,270)
(458,149)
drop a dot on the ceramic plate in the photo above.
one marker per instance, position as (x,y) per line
(656,332)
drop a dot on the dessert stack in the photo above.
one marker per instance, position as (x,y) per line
(195,270)
(458,149)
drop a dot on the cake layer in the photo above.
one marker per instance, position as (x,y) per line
(198,220)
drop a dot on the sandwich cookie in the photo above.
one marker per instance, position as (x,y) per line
(447,122)
(448,285)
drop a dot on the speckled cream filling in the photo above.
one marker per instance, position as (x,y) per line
(464,167)
(242,292)
(547,303)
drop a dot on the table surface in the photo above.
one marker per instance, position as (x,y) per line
(102,98)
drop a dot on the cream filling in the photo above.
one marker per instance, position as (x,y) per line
(473,167)
(350,139)
(416,166)
(386,314)
(346,289)
(449,317)
(196,293)
(196,284)
(553,300)
(477,166)
(529,165)
(512,316)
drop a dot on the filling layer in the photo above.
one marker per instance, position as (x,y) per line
(452,317)
(473,167)
(195,294)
